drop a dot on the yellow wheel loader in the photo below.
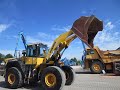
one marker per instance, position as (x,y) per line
(97,60)
(40,64)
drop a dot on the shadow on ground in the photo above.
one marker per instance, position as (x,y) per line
(105,75)
(2,84)
(110,74)
(84,73)
(32,87)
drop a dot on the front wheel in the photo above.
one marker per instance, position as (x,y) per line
(53,78)
(13,78)
(96,67)
(70,74)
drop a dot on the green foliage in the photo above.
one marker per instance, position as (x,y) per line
(2,56)
(78,62)
(74,59)
(8,56)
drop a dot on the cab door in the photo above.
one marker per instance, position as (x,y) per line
(31,56)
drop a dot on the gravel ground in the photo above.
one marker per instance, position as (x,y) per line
(84,81)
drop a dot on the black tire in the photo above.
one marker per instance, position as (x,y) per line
(117,73)
(59,75)
(18,78)
(70,74)
(98,69)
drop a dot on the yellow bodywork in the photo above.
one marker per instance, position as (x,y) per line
(6,60)
(33,61)
(107,57)
(60,43)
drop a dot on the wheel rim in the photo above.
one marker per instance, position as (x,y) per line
(96,67)
(50,80)
(11,78)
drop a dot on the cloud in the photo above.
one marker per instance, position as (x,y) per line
(118,22)
(36,40)
(5,52)
(108,39)
(43,38)
(109,25)
(41,34)
(61,28)
(4,27)
(46,36)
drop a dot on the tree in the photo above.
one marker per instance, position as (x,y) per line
(78,62)
(74,60)
(2,56)
(8,56)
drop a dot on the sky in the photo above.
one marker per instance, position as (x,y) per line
(44,20)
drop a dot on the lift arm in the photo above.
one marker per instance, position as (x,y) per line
(85,28)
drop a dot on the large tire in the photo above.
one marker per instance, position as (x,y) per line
(53,78)
(96,67)
(70,74)
(13,78)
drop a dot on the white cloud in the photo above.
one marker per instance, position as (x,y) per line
(43,38)
(5,52)
(46,36)
(36,40)
(60,28)
(41,34)
(117,22)
(108,39)
(109,25)
(3,27)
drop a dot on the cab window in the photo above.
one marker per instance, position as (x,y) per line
(41,52)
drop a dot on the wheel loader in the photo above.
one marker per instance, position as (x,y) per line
(97,60)
(40,64)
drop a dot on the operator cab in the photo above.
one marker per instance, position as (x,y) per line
(35,50)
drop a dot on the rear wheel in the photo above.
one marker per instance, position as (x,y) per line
(70,74)
(96,67)
(13,78)
(53,78)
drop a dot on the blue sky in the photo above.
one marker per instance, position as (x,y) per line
(44,20)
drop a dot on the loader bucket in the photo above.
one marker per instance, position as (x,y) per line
(86,29)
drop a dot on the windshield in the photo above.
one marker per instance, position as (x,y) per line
(42,49)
